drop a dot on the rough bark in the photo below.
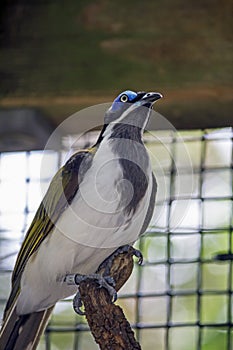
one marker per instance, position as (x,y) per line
(106,320)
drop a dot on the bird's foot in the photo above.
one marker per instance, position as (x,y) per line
(109,267)
(125,249)
(106,282)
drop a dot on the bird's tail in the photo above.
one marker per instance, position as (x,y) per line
(23,332)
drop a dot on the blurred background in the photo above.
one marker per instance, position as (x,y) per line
(57,57)
(61,56)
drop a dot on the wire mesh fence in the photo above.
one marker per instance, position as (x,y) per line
(181,298)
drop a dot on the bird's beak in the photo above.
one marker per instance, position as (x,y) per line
(151,97)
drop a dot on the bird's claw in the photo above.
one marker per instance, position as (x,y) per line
(106,282)
(77,304)
(138,255)
(102,276)
(107,263)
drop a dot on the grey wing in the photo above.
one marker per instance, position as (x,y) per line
(151,206)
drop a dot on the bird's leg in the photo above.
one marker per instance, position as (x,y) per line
(111,266)
(106,282)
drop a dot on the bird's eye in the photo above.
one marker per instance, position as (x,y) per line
(124,98)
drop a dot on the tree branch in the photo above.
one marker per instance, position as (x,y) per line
(106,320)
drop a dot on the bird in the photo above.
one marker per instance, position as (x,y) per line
(101,199)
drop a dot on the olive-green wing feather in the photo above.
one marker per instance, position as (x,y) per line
(59,195)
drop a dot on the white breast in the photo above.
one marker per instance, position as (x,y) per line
(89,230)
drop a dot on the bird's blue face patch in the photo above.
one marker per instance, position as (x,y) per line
(124,97)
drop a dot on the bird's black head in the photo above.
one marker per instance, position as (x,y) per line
(132,107)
